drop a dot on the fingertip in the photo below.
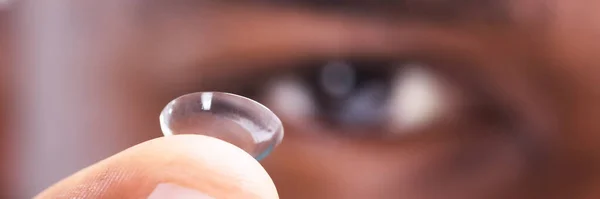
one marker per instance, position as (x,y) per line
(202,164)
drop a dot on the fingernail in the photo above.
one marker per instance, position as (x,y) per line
(168,190)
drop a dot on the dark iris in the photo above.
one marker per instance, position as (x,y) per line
(351,94)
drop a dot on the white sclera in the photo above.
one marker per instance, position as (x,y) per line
(238,120)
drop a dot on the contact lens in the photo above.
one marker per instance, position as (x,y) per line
(238,120)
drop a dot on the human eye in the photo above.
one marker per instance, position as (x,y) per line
(370,98)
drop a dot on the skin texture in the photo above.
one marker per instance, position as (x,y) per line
(187,160)
(539,60)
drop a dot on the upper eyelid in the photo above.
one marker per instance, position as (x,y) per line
(274,31)
(234,30)
(233,38)
(258,35)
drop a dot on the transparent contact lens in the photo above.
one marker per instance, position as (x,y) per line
(238,120)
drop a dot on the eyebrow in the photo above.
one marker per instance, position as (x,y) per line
(425,10)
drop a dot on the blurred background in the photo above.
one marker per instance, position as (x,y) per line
(380,99)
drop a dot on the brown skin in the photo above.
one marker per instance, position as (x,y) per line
(180,160)
(543,63)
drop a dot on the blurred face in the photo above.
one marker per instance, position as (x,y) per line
(407,99)
(391,99)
